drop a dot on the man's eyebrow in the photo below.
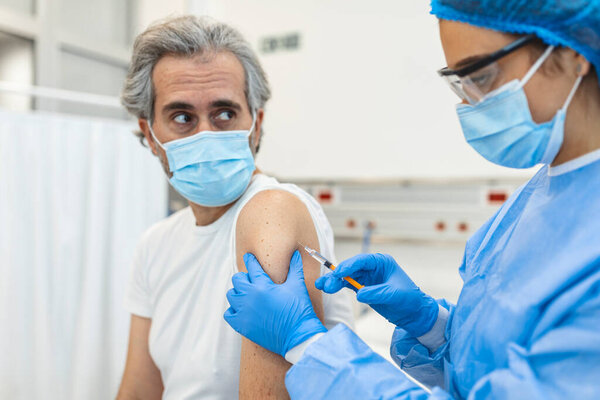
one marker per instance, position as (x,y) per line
(177,105)
(226,103)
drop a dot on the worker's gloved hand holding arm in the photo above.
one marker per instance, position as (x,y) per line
(276,317)
(388,290)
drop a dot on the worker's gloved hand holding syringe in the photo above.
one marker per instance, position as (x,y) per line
(388,290)
(281,318)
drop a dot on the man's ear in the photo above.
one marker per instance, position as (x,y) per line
(260,114)
(144,127)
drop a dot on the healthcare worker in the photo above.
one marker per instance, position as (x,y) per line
(527,323)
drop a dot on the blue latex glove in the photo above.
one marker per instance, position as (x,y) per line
(388,290)
(276,317)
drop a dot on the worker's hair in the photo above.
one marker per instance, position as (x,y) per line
(188,36)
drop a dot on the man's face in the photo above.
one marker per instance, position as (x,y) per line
(200,93)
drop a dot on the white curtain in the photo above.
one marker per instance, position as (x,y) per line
(75,195)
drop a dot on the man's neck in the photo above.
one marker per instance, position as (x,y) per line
(207,215)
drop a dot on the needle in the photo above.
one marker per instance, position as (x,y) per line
(319,257)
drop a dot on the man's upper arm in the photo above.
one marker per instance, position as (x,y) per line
(270,227)
(141,378)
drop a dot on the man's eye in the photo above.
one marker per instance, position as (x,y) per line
(225,115)
(182,119)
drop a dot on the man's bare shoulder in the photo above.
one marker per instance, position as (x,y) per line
(270,226)
(272,206)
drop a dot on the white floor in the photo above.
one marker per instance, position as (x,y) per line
(433,267)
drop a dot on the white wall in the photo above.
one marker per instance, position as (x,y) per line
(16,65)
(361,99)
(148,11)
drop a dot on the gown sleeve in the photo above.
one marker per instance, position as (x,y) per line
(561,363)
(416,360)
(341,366)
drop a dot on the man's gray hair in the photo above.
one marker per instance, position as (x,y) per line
(188,36)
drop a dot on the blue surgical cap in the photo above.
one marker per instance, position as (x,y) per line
(570,23)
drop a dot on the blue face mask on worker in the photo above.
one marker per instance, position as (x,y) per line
(502,130)
(210,168)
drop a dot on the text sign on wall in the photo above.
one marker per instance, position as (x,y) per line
(274,44)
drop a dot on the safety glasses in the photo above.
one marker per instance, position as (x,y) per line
(474,81)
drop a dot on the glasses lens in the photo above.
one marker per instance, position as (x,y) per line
(472,93)
(482,81)
(473,87)
(456,85)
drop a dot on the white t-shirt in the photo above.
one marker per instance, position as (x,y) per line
(180,275)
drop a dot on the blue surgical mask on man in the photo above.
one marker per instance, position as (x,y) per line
(502,130)
(210,168)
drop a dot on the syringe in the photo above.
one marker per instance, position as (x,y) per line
(320,258)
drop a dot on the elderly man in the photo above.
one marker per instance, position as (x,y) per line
(199,94)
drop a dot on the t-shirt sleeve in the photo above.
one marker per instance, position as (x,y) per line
(137,296)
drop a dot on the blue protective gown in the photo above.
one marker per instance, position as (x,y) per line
(526,325)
